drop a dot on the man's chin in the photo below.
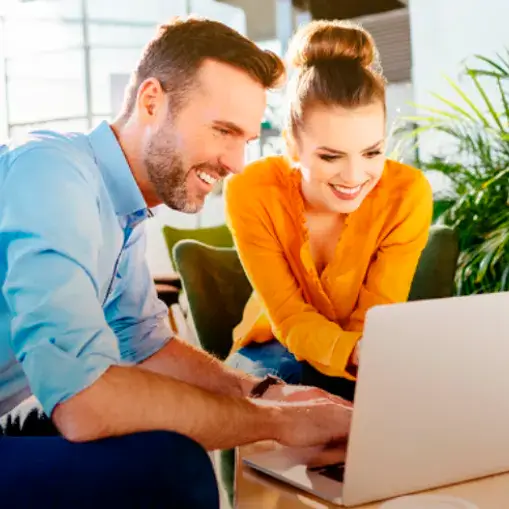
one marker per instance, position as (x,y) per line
(190,207)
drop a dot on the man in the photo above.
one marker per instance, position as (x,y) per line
(81,328)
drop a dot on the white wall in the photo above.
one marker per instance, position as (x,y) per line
(399,102)
(445,34)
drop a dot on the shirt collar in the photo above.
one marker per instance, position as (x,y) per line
(125,193)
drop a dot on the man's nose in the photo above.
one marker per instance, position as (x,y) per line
(234,158)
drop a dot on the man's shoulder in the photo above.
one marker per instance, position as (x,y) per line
(49,151)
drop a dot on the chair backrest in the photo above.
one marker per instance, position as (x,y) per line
(216,236)
(217,288)
(434,277)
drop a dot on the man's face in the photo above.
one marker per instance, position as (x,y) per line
(186,153)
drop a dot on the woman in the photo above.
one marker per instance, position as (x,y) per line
(333,228)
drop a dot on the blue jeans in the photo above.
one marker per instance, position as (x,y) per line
(272,358)
(156,469)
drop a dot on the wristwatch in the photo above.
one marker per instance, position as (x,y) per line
(261,387)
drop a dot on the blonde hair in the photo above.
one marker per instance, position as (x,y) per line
(336,63)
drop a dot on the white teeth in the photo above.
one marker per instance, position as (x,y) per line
(208,179)
(348,190)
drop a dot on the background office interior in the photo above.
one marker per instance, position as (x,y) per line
(64,65)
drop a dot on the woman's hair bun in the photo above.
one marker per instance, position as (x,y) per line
(321,41)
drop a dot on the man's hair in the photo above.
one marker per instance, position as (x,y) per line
(175,54)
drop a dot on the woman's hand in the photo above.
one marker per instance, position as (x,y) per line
(354,359)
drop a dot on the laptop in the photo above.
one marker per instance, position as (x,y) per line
(431,404)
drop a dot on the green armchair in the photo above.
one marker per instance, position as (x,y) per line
(217,290)
(216,236)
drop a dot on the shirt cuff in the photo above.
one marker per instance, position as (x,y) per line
(56,375)
(148,342)
(341,354)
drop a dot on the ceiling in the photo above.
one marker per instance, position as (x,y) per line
(261,14)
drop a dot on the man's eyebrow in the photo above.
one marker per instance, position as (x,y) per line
(236,129)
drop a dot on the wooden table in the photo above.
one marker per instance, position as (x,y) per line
(257,491)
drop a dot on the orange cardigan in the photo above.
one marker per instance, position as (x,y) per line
(320,318)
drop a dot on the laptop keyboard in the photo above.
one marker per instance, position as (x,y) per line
(334,472)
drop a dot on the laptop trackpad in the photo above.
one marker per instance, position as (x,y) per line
(289,465)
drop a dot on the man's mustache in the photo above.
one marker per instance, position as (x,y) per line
(215,169)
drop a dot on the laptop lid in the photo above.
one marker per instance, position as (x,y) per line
(432,397)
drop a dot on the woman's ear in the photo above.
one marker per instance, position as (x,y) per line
(291,146)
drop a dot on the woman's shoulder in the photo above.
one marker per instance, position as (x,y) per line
(258,177)
(405,182)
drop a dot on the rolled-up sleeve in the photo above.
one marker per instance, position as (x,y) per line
(135,313)
(51,234)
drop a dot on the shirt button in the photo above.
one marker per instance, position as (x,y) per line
(52,341)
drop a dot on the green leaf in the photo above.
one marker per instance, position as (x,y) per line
(492,63)
(454,106)
(505,101)
(491,109)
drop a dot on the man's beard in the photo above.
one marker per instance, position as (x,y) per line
(169,177)
(167,174)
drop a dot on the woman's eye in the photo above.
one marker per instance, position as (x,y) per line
(373,153)
(327,158)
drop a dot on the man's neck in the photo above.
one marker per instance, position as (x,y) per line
(129,141)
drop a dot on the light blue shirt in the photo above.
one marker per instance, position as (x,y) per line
(77,296)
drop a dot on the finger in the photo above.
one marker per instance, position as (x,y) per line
(333,397)
(340,401)
(328,456)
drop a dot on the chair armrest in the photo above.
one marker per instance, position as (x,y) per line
(173,280)
(169,294)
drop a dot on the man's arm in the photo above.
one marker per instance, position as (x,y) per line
(140,322)
(129,399)
(50,236)
(184,362)
(189,364)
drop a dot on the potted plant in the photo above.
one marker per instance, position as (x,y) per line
(476,203)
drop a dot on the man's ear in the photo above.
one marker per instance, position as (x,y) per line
(150,100)
(291,146)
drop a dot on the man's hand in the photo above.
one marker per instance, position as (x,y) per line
(331,454)
(319,422)
(300,393)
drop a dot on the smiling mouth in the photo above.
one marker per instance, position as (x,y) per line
(206,177)
(345,192)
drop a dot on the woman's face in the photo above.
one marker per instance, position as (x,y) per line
(341,155)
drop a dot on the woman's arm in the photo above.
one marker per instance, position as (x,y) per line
(297,324)
(391,273)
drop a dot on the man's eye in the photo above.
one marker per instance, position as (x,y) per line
(223,131)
